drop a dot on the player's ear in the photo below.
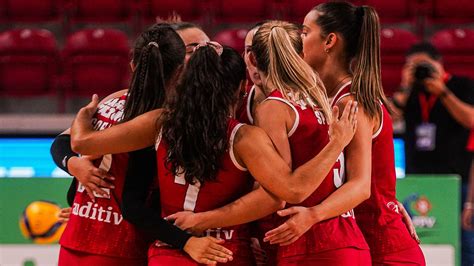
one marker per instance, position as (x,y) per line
(331,41)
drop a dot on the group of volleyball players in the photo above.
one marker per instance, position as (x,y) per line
(190,165)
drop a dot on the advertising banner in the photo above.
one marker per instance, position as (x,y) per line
(433,203)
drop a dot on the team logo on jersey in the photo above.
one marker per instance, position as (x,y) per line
(419,207)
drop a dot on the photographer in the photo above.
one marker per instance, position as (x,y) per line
(438,111)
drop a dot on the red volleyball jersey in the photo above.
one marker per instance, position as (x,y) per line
(232,182)
(307,138)
(99,228)
(378,217)
(470,142)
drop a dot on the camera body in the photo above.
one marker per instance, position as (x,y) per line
(423,71)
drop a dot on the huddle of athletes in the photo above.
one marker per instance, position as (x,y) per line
(191,166)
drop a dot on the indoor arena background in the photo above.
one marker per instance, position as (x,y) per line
(55,53)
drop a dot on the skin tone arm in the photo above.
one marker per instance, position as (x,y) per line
(462,112)
(263,163)
(243,210)
(135,134)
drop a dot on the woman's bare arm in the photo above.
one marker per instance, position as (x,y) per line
(135,134)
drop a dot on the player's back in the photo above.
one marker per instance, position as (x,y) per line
(89,221)
(232,182)
(307,138)
(379,217)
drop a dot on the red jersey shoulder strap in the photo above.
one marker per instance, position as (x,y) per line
(344,91)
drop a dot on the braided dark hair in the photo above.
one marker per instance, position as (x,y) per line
(195,127)
(158,53)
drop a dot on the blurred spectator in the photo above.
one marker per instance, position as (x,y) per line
(468,206)
(438,109)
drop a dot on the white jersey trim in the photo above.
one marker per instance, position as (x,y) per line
(339,91)
(377,133)
(342,97)
(297,118)
(249,103)
(106,162)
(158,140)
(231,149)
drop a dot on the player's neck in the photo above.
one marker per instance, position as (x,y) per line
(334,80)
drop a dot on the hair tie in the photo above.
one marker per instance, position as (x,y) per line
(154,44)
(276,26)
(215,45)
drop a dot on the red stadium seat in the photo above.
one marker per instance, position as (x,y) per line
(234,38)
(449,11)
(390,11)
(243,10)
(101,11)
(96,61)
(30,11)
(456,46)
(29,62)
(394,43)
(189,10)
(298,9)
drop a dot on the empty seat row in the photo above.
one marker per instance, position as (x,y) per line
(92,61)
(96,11)
(97,60)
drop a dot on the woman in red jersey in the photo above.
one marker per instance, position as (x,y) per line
(96,232)
(342,43)
(339,248)
(294,114)
(346,240)
(204,101)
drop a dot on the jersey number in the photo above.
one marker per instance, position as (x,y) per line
(339,173)
(191,194)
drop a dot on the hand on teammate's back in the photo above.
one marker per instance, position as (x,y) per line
(300,221)
(343,128)
(207,250)
(95,180)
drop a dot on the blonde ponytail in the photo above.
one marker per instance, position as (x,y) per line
(277,47)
